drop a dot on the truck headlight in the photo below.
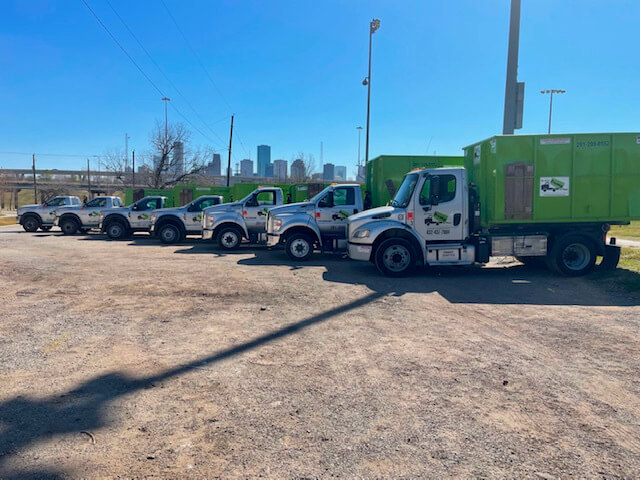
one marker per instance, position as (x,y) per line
(153,217)
(210,219)
(361,234)
(101,215)
(277,223)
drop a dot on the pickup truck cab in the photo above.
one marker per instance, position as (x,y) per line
(119,223)
(42,216)
(173,224)
(229,223)
(434,219)
(84,217)
(319,223)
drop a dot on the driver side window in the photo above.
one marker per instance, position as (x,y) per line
(443,187)
(266,198)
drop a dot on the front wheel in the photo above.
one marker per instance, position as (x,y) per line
(299,247)
(116,230)
(395,257)
(69,226)
(572,256)
(31,224)
(169,233)
(229,238)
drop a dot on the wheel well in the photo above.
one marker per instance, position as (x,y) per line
(30,214)
(300,229)
(71,215)
(172,220)
(591,236)
(115,218)
(228,224)
(394,233)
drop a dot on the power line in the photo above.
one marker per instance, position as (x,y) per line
(142,71)
(50,154)
(162,71)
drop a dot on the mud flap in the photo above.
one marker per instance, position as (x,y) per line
(611,258)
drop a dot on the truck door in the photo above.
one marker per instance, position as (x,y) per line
(193,216)
(439,210)
(333,209)
(256,208)
(140,215)
(90,213)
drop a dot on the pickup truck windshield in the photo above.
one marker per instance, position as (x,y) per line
(403,195)
(97,202)
(320,195)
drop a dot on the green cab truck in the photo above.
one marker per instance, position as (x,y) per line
(553,197)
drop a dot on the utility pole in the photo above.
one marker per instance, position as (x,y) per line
(321,153)
(126,151)
(514,90)
(373,26)
(551,92)
(165,100)
(88,179)
(133,181)
(35,184)
(229,161)
(359,128)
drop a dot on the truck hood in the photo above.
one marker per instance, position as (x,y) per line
(122,210)
(375,213)
(222,207)
(168,210)
(29,207)
(292,208)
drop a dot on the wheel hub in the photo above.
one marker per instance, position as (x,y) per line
(300,248)
(396,258)
(576,256)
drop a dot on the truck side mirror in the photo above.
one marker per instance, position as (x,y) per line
(327,201)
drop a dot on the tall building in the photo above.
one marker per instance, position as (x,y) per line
(214,167)
(297,171)
(341,172)
(264,160)
(269,172)
(328,172)
(280,169)
(177,164)
(246,168)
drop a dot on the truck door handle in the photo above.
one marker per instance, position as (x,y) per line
(456,219)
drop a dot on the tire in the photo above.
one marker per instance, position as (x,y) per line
(45,229)
(116,230)
(31,223)
(229,238)
(395,257)
(169,233)
(572,256)
(69,226)
(299,247)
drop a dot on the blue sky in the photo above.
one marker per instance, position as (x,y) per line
(291,71)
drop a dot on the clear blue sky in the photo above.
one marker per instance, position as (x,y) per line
(292,72)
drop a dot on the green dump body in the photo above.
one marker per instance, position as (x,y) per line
(150,192)
(386,172)
(556,178)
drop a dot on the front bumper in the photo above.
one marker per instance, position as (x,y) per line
(358,251)
(272,240)
(56,221)
(207,234)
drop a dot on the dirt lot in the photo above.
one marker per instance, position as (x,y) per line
(132,359)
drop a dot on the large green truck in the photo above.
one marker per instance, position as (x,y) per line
(551,197)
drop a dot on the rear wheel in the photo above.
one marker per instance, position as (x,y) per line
(572,256)
(116,230)
(31,223)
(169,233)
(299,246)
(395,257)
(69,226)
(229,238)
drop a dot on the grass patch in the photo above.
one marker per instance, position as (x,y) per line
(627,275)
(10,220)
(626,231)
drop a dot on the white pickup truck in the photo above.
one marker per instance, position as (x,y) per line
(171,225)
(119,223)
(34,217)
(84,217)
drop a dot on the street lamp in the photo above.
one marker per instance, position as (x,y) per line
(359,128)
(165,100)
(551,92)
(373,27)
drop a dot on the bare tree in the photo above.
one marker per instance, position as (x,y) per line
(115,160)
(310,166)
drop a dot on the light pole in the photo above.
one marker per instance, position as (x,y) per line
(359,128)
(551,92)
(165,100)
(373,27)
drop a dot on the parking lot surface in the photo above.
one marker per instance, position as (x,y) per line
(140,360)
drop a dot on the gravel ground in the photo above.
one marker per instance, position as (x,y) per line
(136,360)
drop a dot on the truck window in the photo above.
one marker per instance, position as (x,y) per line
(117,202)
(266,198)
(97,202)
(75,201)
(447,189)
(344,196)
(55,202)
(208,202)
(150,204)
(403,195)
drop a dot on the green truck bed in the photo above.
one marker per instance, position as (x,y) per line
(556,178)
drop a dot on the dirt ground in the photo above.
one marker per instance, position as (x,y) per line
(137,360)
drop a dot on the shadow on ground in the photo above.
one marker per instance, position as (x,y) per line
(25,421)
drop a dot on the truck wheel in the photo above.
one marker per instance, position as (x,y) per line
(572,256)
(299,246)
(31,223)
(45,229)
(229,238)
(395,257)
(69,226)
(116,230)
(169,233)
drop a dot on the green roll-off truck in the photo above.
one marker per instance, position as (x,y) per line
(547,196)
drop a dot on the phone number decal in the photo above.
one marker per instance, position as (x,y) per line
(591,143)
